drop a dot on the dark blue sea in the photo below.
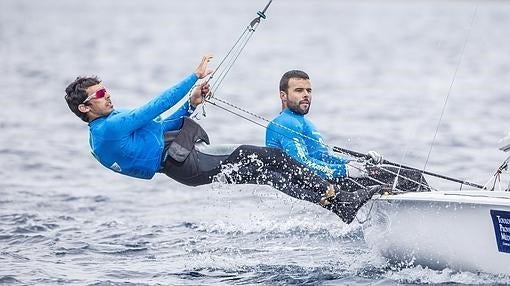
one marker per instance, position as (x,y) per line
(386,75)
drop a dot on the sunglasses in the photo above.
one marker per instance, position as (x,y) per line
(98,94)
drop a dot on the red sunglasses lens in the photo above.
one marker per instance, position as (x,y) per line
(101,93)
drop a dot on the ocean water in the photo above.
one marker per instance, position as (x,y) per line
(382,73)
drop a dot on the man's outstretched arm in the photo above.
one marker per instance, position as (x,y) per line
(140,116)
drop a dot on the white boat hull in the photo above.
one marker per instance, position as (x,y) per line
(462,230)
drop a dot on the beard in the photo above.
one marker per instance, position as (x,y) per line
(296,108)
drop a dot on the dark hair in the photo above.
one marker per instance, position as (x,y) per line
(76,94)
(284,82)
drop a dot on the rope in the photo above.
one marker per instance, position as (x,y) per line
(232,55)
(236,50)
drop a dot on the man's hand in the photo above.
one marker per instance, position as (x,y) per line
(198,94)
(374,157)
(202,70)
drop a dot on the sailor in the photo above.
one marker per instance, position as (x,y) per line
(292,132)
(138,143)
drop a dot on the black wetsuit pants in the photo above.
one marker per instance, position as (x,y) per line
(249,164)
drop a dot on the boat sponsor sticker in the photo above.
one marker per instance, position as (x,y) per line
(501,221)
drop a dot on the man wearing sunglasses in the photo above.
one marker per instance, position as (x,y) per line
(138,143)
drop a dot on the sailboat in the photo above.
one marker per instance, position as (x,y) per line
(464,230)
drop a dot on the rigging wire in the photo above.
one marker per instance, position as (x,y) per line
(496,178)
(466,40)
(231,57)
(236,50)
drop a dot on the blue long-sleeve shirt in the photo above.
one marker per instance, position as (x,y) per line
(299,138)
(131,142)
